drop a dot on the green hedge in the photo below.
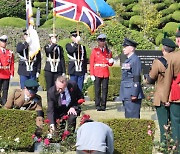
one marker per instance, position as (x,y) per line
(136,20)
(17,124)
(176,16)
(113,87)
(171,28)
(131,135)
(13,22)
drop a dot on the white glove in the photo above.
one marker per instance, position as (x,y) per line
(78,38)
(111,60)
(11,76)
(53,40)
(37,75)
(63,74)
(93,78)
(52,128)
(28,39)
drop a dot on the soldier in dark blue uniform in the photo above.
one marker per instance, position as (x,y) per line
(77,65)
(55,63)
(131,93)
(28,68)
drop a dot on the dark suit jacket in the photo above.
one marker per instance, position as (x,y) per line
(49,51)
(22,65)
(55,110)
(71,49)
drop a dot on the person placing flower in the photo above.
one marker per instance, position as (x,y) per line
(64,98)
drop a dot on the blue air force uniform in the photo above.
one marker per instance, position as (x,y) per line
(131,83)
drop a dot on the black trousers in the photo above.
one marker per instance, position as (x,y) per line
(51,78)
(4,86)
(101,84)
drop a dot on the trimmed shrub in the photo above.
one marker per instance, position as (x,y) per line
(166,11)
(166,19)
(17,124)
(171,28)
(132,136)
(40,4)
(90,92)
(174,6)
(12,22)
(136,20)
(159,38)
(130,6)
(160,6)
(42,80)
(60,23)
(176,16)
(127,2)
(136,8)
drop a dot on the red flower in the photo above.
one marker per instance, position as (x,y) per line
(149,132)
(47,121)
(58,121)
(33,136)
(65,134)
(39,139)
(46,141)
(84,118)
(80,101)
(65,117)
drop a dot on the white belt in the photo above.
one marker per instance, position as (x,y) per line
(4,67)
(101,65)
(53,60)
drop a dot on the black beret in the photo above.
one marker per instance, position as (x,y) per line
(169,43)
(128,42)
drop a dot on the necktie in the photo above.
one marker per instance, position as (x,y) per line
(63,99)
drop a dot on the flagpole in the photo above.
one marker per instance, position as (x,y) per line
(27,26)
(97,10)
(54,19)
(78,45)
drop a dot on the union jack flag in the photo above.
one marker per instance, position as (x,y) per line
(78,10)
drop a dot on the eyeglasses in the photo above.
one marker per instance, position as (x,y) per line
(102,39)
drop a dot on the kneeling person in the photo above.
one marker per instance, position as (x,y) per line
(27,99)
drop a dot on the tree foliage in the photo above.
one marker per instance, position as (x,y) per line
(11,8)
(150,19)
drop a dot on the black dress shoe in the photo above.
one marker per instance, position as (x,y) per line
(98,108)
(103,109)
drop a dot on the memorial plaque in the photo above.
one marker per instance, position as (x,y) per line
(146,57)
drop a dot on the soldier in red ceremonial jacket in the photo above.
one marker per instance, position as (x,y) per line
(6,68)
(100,60)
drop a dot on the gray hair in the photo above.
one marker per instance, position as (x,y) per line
(168,49)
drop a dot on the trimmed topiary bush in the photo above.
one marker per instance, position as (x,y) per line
(12,22)
(136,20)
(132,136)
(136,8)
(17,124)
(171,28)
(159,38)
(176,16)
